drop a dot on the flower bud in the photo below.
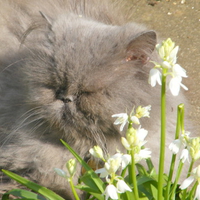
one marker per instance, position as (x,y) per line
(97,152)
(195,148)
(131,136)
(71,166)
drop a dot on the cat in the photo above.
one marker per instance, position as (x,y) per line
(65,68)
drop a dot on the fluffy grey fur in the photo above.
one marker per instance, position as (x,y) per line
(66,67)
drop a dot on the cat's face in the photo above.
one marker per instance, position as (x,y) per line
(86,73)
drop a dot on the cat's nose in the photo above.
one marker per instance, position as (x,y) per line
(67,99)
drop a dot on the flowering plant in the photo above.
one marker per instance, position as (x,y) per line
(121,175)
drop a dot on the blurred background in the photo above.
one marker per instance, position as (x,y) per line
(180,21)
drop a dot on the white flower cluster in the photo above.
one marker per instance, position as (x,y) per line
(190,149)
(168,67)
(134,137)
(134,117)
(195,177)
(116,184)
(134,141)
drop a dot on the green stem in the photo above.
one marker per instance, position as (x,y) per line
(124,172)
(73,188)
(180,113)
(133,175)
(169,181)
(191,196)
(190,168)
(181,108)
(189,171)
(162,137)
(176,179)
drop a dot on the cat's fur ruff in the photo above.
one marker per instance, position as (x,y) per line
(66,67)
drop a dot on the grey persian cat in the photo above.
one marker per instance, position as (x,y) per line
(66,67)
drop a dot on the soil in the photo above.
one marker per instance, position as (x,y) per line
(180,21)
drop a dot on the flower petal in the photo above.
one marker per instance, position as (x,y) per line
(166,64)
(111,191)
(187,182)
(122,119)
(123,187)
(97,152)
(143,154)
(126,159)
(183,86)
(141,133)
(179,71)
(175,146)
(135,120)
(172,56)
(197,194)
(184,155)
(125,143)
(154,77)
(174,86)
(103,172)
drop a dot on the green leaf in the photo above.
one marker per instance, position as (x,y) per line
(141,169)
(148,186)
(146,194)
(144,179)
(127,195)
(24,194)
(33,186)
(91,191)
(90,178)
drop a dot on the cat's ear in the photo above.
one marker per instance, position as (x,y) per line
(141,46)
(47,18)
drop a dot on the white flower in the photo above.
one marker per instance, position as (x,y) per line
(111,191)
(197,194)
(141,134)
(168,53)
(113,164)
(143,111)
(122,119)
(172,56)
(187,182)
(175,146)
(154,77)
(184,155)
(179,71)
(142,154)
(123,187)
(195,176)
(103,172)
(175,82)
(135,120)
(166,64)
(126,159)
(134,138)
(97,152)
(174,85)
